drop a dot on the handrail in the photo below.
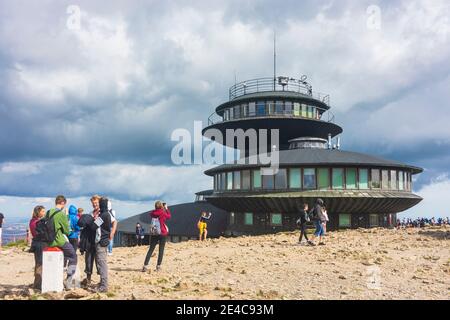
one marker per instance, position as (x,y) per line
(276,84)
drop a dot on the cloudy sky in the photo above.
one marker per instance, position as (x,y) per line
(90,107)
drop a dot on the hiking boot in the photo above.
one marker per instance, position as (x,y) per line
(311,243)
(321,243)
(102,289)
(68,283)
(144,269)
(86,282)
(158,268)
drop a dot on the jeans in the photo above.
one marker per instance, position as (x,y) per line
(89,260)
(154,240)
(319,228)
(102,264)
(71,257)
(110,246)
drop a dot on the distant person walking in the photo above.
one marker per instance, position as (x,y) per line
(37,246)
(2,220)
(62,229)
(158,233)
(102,240)
(203,226)
(302,220)
(319,219)
(324,223)
(139,234)
(74,228)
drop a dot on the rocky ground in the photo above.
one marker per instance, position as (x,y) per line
(354,264)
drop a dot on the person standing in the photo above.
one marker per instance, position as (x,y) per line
(324,223)
(203,226)
(89,250)
(36,246)
(139,234)
(113,228)
(302,220)
(161,213)
(2,220)
(74,228)
(61,241)
(319,219)
(102,240)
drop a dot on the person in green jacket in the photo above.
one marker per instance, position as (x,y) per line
(61,241)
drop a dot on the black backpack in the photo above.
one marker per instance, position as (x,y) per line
(45,228)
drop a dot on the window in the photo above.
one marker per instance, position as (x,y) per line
(248,219)
(401,181)
(237,112)
(375,181)
(276,219)
(408,181)
(236,180)
(267,181)
(384,179)
(393,180)
(229,180)
(231,113)
(244,109)
(256,179)
(323,178)
(345,220)
(232,218)
(309,178)
(226,115)
(304,112)
(281,179)
(216,181)
(296,109)
(338,178)
(363,179)
(310,112)
(373,220)
(246,179)
(350,178)
(279,107)
(288,108)
(223,181)
(260,108)
(251,109)
(295,181)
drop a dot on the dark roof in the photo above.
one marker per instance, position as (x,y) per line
(184,220)
(320,157)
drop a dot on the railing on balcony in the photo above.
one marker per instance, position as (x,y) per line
(276,84)
(319,115)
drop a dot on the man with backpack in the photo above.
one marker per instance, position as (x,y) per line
(54,228)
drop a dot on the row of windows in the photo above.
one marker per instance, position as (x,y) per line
(263,108)
(276,219)
(314,178)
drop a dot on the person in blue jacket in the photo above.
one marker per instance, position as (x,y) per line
(74,228)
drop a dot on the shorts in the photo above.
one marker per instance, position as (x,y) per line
(202,227)
(319,229)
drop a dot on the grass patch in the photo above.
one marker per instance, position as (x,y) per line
(17,244)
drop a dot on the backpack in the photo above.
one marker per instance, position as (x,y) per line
(45,228)
(155,227)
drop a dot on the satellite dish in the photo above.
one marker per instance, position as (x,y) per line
(303,78)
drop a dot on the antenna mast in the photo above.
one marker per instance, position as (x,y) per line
(274,59)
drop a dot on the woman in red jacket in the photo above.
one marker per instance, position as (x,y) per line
(162,213)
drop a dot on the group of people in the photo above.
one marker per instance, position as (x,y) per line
(319,216)
(422,222)
(70,230)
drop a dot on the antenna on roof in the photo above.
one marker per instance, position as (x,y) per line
(274,59)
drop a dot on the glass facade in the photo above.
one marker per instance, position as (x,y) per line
(375,179)
(236,180)
(345,220)
(281,179)
(246,179)
(306,179)
(373,220)
(257,179)
(309,178)
(276,219)
(260,108)
(385,179)
(248,218)
(323,178)
(295,180)
(350,178)
(363,179)
(338,178)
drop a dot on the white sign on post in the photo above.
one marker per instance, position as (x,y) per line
(52,271)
